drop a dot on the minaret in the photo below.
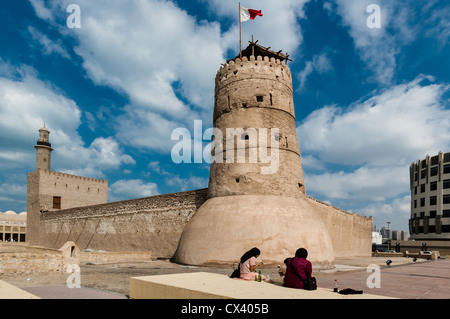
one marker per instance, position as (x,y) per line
(256,192)
(43,149)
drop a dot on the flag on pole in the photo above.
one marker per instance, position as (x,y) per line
(249,14)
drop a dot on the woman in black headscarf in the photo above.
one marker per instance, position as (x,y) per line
(248,264)
(297,269)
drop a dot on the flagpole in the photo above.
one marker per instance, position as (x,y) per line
(240,37)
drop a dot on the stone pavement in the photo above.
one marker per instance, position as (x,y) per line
(424,280)
(403,279)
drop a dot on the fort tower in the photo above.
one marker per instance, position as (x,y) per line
(43,149)
(256,191)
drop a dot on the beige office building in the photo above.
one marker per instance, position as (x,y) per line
(430,198)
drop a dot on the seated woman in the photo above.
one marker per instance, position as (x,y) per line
(248,265)
(297,269)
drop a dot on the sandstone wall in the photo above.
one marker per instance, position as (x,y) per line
(351,234)
(151,224)
(154,225)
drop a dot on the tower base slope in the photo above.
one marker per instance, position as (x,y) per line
(224,228)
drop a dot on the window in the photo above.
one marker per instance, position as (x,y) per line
(435,160)
(415,190)
(434,171)
(446,199)
(446,183)
(422,202)
(259,98)
(423,173)
(422,188)
(433,186)
(446,157)
(415,203)
(446,213)
(433,200)
(57,202)
(447,169)
(432,213)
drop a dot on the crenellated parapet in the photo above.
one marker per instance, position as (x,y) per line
(261,82)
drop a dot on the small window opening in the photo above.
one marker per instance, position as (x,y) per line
(270,95)
(259,98)
(57,202)
(237,179)
(244,136)
(244,105)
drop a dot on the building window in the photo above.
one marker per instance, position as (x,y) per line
(432,213)
(433,186)
(259,98)
(422,188)
(423,173)
(435,160)
(433,200)
(446,199)
(446,183)
(422,202)
(446,157)
(447,169)
(446,213)
(415,203)
(57,202)
(434,171)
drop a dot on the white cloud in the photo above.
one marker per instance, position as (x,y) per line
(161,58)
(129,189)
(397,126)
(278,27)
(320,63)
(373,142)
(49,46)
(26,104)
(378,47)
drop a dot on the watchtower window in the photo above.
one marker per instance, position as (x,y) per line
(259,98)
(57,202)
(244,136)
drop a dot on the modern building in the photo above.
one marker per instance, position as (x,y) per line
(430,198)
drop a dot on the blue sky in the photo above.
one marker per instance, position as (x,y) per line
(369,101)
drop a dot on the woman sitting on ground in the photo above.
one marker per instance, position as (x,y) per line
(248,265)
(295,267)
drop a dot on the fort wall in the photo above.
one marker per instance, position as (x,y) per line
(351,234)
(152,224)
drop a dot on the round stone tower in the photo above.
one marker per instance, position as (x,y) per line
(43,149)
(254,110)
(256,192)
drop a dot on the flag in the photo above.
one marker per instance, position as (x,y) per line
(251,14)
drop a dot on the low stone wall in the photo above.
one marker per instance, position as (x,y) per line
(153,224)
(16,259)
(26,261)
